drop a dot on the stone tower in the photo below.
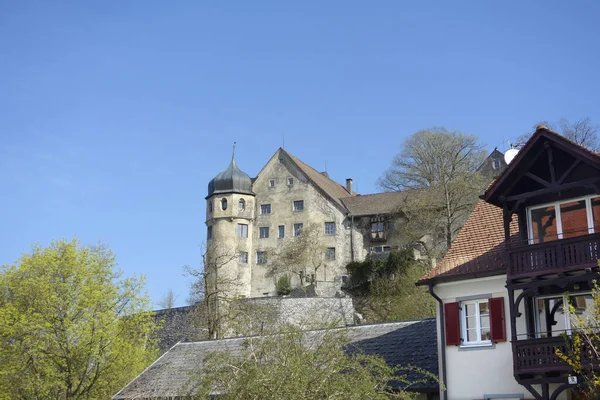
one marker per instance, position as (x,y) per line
(229,220)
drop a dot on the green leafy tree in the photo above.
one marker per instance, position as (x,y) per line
(294,365)
(385,290)
(583,345)
(70,326)
(438,169)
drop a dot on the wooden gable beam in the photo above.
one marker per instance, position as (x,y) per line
(558,188)
(571,168)
(538,179)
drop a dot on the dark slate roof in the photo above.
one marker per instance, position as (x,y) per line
(231,180)
(399,343)
(375,204)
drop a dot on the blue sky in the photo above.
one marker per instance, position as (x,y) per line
(115,115)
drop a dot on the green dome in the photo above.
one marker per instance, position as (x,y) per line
(232,180)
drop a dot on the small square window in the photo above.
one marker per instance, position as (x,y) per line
(272,183)
(290,181)
(330,228)
(244,257)
(330,253)
(261,257)
(298,229)
(263,232)
(281,231)
(496,164)
(298,205)
(265,209)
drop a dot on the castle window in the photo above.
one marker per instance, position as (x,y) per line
(265,209)
(330,228)
(209,233)
(244,257)
(242,204)
(271,183)
(281,229)
(495,164)
(290,181)
(330,253)
(224,204)
(242,230)
(298,229)
(210,207)
(263,232)
(298,205)
(261,257)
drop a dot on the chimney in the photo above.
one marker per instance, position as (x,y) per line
(349,185)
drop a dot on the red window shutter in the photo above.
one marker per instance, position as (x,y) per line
(497,323)
(452,324)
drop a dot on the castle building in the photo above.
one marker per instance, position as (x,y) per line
(248,219)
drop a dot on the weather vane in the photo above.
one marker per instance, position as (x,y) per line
(233,153)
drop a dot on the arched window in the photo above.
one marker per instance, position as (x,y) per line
(224,204)
(242,204)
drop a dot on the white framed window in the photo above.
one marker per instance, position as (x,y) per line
(330,228)
(261,257)
(263,232)
(496,164)
(244,257)
(242,230)
(564,219)
(224,204)
(298,229)
(298,205)
(290,181)
(265,209)
(475,321)
(271,183)
(281,231)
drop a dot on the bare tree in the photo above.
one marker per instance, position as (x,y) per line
(582,132)
(214,286)
(301,255)
(438,169)
(168,300)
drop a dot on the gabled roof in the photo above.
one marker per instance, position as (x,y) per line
(527,155)
(375,204)
(478,250)
(329,187)
(399,343)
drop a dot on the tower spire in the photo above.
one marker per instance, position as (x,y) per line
(233,152)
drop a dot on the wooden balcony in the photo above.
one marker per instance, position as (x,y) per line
(537,356)
(553,257)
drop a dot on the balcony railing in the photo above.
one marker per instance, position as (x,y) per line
(554,257)
(537,356)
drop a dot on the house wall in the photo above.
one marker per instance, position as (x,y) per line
(318,209)
(477,372)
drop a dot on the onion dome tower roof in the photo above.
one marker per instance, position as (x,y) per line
(231,180)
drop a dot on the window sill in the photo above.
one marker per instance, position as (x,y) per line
(477,346)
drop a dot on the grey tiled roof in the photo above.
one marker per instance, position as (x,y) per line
(374,204)
(399,343)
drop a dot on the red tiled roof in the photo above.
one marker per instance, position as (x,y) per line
(479,247)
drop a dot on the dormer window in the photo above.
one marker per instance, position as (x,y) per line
(224,204)
(495,164)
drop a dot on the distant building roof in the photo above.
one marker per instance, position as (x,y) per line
(374,204)
(231,180)
(399,343)
(331,188)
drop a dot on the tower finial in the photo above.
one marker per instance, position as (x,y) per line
(233,152)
